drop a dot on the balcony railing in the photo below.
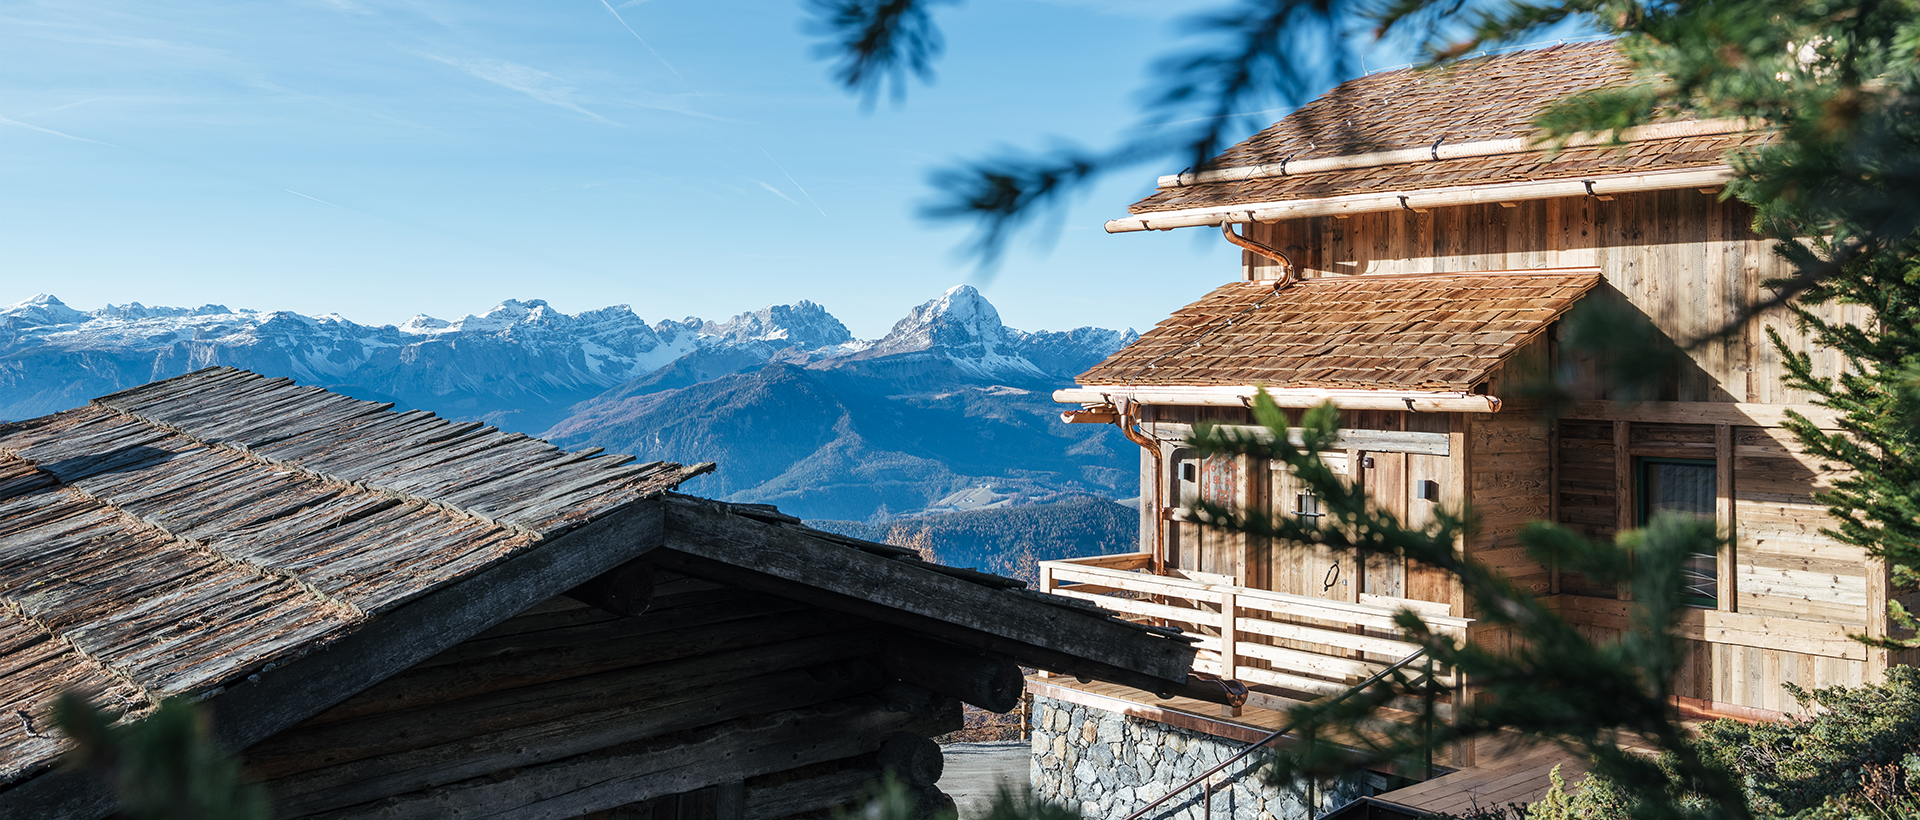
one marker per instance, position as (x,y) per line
(1298,645)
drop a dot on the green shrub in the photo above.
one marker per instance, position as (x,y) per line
(1793,767)
(1856,756)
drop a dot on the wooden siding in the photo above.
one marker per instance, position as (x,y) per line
(1300,569)
(566,710)
(1686,259)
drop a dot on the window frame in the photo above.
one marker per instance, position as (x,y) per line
(1642,512)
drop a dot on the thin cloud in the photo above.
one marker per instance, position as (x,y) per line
(61,107)
(796,183)
(515,77)
(326,203)
(777,192)
(643,41)
(33,127)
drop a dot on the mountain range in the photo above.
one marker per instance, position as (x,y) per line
(948,411)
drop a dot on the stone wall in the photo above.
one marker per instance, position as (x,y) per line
(1109,765)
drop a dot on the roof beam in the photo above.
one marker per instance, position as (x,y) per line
(1422,199)
(1440,151)
(705,539)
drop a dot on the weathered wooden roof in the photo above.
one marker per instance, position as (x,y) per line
(180,537)
(1473,101)
(1441,332)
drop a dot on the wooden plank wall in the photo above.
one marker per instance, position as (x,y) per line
(1686,259)
(1688,262)
(566,710)
(1299,569)
(1783,568)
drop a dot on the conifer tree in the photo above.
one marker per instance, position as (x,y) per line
(1876,503)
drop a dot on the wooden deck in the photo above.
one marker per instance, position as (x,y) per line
(1507,773)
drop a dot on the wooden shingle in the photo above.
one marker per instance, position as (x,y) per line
(1442,332)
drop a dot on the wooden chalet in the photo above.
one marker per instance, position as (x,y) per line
(392,615)
(1410,251)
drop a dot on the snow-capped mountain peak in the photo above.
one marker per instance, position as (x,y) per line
(422,324)
(42,309)
(515,365)
(965,328)
(804,325)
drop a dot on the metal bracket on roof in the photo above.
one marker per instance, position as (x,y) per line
(1403,203)
(1589,184)
(1435,150)
(1410,408)
(1283,164)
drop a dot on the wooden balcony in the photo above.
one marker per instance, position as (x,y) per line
(1285,648)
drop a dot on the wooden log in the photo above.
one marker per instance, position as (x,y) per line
(989,683)
(531,665)
(625,590)
(544,742)
(709,542)
(632,772)
(1025,654)
(916,760)
(833,790)
(933,804)
(550,629)
(455,718)
(924,703)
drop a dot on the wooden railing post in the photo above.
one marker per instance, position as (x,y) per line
(1229,644)
(1463,752)
(1427,687)
(1046,586)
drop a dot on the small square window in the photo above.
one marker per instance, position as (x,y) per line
(1307,505)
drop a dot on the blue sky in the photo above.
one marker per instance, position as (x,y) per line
(380,159)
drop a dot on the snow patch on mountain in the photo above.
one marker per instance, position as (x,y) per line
(520,357)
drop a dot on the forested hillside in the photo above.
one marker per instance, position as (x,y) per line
(1009,540)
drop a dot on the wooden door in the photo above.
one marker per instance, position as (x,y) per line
(1305,569)
(1384,477)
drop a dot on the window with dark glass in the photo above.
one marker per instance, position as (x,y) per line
(1684,486)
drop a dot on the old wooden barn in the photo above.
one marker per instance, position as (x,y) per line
(1409,252)
(393,615)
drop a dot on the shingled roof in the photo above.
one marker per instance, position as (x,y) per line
(177,538)
(269,549)
(1441,332)
(1429,113)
